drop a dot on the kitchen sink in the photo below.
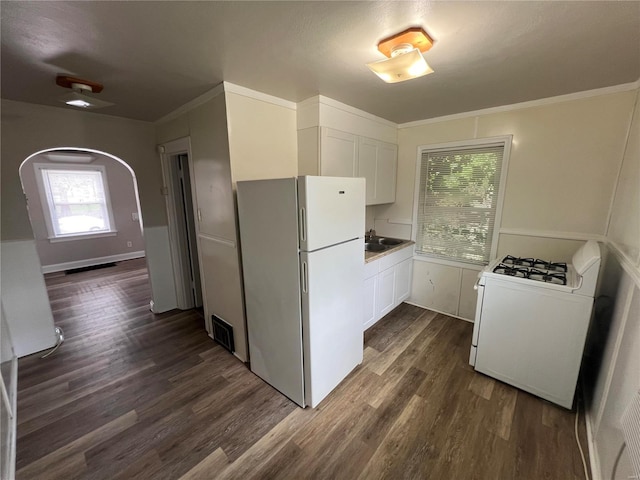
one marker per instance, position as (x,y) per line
(390,241)
(374,247)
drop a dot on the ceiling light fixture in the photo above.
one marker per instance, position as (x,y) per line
(79,97)
(404,52)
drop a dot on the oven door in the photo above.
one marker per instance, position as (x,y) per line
(532,337)
(479,286)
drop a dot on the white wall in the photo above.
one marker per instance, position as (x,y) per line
(236,134)
(612,365)
(206,125)
(561,178)
(262,137)
(27,129)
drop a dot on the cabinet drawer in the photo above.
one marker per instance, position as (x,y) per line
(394,258)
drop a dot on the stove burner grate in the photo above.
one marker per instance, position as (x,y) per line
(548,277)
(551,266)
(519,261)
(503,269)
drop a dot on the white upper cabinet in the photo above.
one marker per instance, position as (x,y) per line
(338,153)
(343,154)
(377,163)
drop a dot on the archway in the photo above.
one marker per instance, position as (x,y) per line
(83,207)
(84,210)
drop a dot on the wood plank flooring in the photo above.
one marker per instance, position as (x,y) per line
(136,395)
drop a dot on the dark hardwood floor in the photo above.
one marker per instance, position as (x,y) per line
(136,395)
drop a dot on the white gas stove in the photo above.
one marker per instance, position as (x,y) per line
(531,322)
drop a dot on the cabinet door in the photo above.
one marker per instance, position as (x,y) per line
(338,153)
(369,309)
(368,167)
(384,292)
(402,281)
(387,161)
(377,163)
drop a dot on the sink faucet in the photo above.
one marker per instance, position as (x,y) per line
(369,235)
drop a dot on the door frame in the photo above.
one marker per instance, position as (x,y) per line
(178,249)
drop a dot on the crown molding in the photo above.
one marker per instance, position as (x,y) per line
(321,99)
(263,97)
(196,102)
(533,103)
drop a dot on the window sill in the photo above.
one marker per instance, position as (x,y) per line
(82,236)
(450,263)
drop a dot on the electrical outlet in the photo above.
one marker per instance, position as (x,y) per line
(129,244)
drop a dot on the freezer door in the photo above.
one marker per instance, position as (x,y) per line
(331,210)
(332,289)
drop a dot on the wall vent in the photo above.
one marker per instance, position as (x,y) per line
(223,333)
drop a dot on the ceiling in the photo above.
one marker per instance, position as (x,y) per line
(153,57)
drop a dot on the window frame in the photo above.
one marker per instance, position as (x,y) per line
(505,141)
(47,207)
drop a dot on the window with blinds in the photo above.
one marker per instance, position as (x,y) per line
(459,193)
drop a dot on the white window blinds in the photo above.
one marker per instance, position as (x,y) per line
(458,201)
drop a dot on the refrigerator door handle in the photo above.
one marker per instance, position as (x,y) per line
(305,280)
(303,230)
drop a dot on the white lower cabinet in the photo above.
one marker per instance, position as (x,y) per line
(402,281)
(369,310)
(385,297)
(387,284)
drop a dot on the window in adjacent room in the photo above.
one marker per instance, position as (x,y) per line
(75,200)
(459,190)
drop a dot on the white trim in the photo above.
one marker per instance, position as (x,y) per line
(529,104)
(223,241)
(504,140)
(196,102)
(626,263)
(83,236)
(448,263)
(263,97)
(89,262)
(578,236)
(321,99)
(438,311)
(181,146)
(617,181)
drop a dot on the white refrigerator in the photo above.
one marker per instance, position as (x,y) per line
(303,268)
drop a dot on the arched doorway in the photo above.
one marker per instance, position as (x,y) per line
(83,207)
(84,211)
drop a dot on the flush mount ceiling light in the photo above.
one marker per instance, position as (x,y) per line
(79,97)
(70,156)
(404,52)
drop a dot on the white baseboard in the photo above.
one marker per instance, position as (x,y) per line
(438,311)
(89,262)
